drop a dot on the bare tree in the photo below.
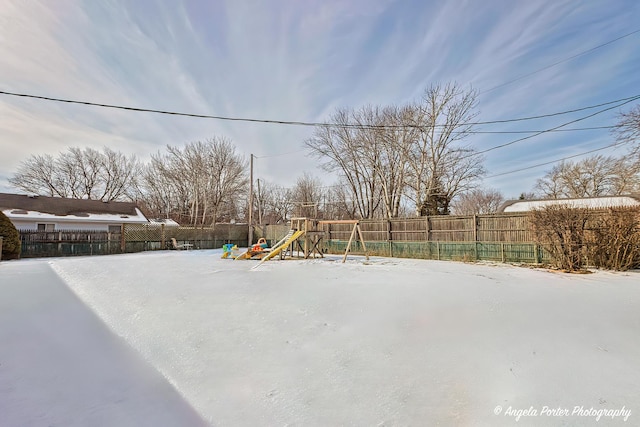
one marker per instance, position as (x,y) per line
(274,203)
(80,173)
(37,175)
(591,177)
(120,175)
(369,147)
(158,193)
(440,167)
(627,177)
(343,147)
(281,204)
(263,193)
(627,129)
(382,152)
(395,149)
(339,203)
(477,202)
(550,186)
(308,195)
(200,182)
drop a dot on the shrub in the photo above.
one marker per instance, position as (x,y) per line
(614,239)
(10,238)
(576,237)
(560,230)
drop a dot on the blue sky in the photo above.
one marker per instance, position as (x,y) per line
(299,61)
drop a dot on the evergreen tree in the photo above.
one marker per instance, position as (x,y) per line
(10,238)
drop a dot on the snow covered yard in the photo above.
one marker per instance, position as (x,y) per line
(317,342)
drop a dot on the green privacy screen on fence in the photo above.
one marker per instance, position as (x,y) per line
(453,251)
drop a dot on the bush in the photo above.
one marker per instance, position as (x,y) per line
(10,238)
(560,230)
(576,238)
(614,239)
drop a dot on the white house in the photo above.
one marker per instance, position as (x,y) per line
(587,202)
(58,213)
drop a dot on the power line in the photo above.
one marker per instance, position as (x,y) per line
(279,154)
(497,132)
(556,160)
(629,99)
(553,129)
(561,61)
(300,123)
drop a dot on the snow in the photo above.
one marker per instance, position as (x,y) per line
(60,365)
(592,203)
(315,342)
(29,219)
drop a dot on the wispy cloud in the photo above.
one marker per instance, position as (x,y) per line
(295,60)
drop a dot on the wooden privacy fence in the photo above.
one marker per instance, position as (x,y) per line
(499,237)
(131,238)
(511,228)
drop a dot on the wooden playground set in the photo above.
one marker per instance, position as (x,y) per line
(303,241)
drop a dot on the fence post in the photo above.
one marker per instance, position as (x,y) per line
(122,238)
(475,235)
(475,227)
(426,229)
(162,237)
(502,251)
(389,238)
(438,249)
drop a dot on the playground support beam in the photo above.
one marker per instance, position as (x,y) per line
(339,221)
(356,229)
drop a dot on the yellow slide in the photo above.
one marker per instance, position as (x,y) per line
(276,250)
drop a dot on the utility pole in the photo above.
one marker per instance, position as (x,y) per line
(259,204)
(251,203)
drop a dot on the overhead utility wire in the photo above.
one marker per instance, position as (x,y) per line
(532,131)
(279,154)
(560,62)
(615,144)
(471,132)
(298,123)
(631,98)
(552,129)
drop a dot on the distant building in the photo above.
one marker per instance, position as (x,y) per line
(163,221)
(57,213)
(588,202)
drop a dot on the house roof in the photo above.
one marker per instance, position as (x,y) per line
(43,207)
(588,202)
(166,221)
